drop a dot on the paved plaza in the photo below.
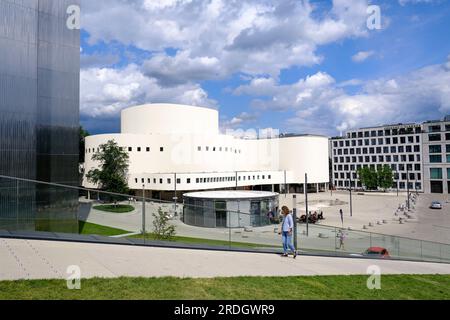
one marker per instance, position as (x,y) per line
(26,259)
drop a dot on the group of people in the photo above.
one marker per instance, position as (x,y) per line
(312,217)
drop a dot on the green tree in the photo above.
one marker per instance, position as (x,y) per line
(162,230)
(368,177)
(112,174)
(385,177)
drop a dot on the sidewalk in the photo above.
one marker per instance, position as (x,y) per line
(26,259)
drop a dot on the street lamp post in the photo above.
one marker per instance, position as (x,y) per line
(407,185)
(351,200)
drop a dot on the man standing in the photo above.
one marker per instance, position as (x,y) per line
(287,230)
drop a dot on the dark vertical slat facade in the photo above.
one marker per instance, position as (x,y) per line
(39,114)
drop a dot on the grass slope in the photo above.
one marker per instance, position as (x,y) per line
(91,228)
(293,288)
(211,242)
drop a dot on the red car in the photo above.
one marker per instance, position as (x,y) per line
(377,252)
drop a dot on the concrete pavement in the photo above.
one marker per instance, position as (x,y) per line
(29,259)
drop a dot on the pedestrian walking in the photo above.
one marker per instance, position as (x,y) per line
(341,236)
(287,231)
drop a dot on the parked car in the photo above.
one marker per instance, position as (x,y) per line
(436,205)
(377,252)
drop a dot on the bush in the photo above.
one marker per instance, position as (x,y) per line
(162,230)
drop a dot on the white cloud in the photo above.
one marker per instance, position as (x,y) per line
(218,38)
(319,104)
(362,56)
(106,91)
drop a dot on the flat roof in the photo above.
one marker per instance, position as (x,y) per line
(240,195)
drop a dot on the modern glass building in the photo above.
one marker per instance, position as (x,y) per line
(39,114)
(230,209)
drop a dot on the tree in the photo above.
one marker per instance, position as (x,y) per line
(162,230)
(112,174)
(82,144)
(385,177)
(368,177)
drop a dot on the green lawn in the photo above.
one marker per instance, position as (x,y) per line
(91,228)
(211,242)
(120,208)
(296,288)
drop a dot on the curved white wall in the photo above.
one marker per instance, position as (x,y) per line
(160,150)
(169,119)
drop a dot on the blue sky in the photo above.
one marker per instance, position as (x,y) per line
(297,66)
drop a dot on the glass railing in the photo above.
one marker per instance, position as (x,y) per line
(36,208)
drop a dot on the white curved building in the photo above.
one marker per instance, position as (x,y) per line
(180,148)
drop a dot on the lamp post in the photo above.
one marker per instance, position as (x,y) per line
(143,212)
(397,179)
(407,185)
(351,200)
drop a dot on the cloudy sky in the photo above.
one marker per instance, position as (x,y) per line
(296,65)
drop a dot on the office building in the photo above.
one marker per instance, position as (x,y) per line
(417,153)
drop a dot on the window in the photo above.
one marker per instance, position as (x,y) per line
(447,148)
(435,159)
(130,149)
(435,173)
(435,128)
(199,148)
(178,181)
(435,149)
(448,173)
(161,149)
(169,181)
(434,137)
(447,136)
(148,149)
(188,181)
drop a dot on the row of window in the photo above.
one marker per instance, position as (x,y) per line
(379,159)
(219,149)
(437,173)
(129,149)
(438,148)
(397,131)
(394,167)
(386,132)
(401,185)
(438,137)
(161,149)
(378,150)
(397,176)
(206,180)
(437,158)
(374,142)
(439,128)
